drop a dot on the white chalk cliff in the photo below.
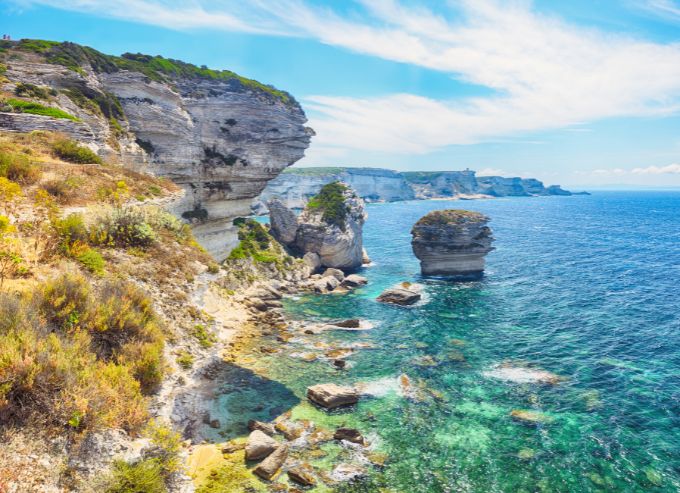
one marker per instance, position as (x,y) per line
(218,135)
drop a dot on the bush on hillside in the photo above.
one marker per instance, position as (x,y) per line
(71,151)
(18,168)
(73,355)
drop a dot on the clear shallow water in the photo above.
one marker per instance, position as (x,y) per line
(584,287)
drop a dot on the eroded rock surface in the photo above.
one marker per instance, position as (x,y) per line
(452,242)
(330,395)
(331,227)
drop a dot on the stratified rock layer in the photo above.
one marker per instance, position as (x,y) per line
(452,243)
(219,136)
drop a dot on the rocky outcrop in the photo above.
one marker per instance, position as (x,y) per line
(270,466)
(218,135)
(452,242)
(295,186)
(330,395)
(330,227)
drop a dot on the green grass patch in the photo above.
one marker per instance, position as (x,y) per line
(30,107)
(204,337)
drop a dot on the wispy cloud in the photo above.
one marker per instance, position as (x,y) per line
(664,8)
(545,72)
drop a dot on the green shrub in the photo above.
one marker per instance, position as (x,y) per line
(32,91)
(70,151)
(92,260)
(19,168)
(185,360)
(39,109)
(145,476)
(71,230)
(204,337)
(331,201)
(123,227)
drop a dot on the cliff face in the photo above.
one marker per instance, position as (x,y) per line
(296,186)
(452,243)
(221,137)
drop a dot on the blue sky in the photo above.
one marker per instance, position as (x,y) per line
(580,92)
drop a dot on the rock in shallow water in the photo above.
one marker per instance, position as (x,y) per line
(451,242)
(302,474)
(330,395)
(269,467)
(259,445)
(399,296)
(267,428)
(349,434)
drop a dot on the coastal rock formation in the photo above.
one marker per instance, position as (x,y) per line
(330,226)
(220,136)
(295,186)
(451,242)
(330,395)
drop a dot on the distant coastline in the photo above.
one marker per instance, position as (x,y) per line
(296,185)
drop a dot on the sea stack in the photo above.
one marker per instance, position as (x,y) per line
(329,226)
(452,243)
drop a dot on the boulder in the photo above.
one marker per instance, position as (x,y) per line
(313,261)
(259,445)
(451,243)
(354,281)
(302,474)
(270,466)
(337,273)
(399,296)
(283,221)
(530,417)
(326,284)
(267,428)
(330,395)
(365,259)
(347,472)
(349,434)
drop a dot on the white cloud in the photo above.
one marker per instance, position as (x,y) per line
(658,170)
(545,73)
(664,8)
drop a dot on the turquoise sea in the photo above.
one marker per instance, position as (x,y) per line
(584,287)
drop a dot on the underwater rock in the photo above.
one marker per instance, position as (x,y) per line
(530,417)
(350,323)
(267,428)
(259,445)
(513,372)
(302,474)
(330,395)
(347,472)
(451,242)
(269,467)
(290,429)
(349,434)
(339,363)
(399,296)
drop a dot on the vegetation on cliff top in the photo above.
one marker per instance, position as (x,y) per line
(331,202)
(314,171)
(258,244)
(450,216)
(157,68)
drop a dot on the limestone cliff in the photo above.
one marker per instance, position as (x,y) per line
(220,136)
(296,186)
(329,226)
(452,242)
